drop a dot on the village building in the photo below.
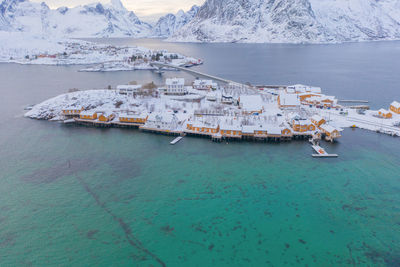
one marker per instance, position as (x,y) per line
(175,86)
(331,133)
(133,118)
(317,120)
(161,121)
(251,104)
(72,111)
(288,101)
(203,128)
(383,113)
(395,107)
(230,130)
(129,89)
(302,125)
(300,88)
(227,99)
(204,85)
(106,117)
(88,115)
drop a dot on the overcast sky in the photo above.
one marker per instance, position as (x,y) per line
(149,10)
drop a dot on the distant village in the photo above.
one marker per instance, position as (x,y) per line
(102,57)
(221,112)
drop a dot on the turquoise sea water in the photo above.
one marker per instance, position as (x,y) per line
(77,196)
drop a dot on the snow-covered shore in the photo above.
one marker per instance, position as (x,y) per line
(248,111)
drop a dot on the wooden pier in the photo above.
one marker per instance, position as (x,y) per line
(321,153)
(176,140)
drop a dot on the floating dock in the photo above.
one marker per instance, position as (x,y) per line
(176,140)
(322,153)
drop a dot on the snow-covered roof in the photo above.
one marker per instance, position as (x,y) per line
(88,112)
(300,88)
(383,111)
(302,122)
(230,127)
(317,118)
(251,102)
(271,129)
(133,116)
(328,128)
(395,104)
(203,83)
(161,117)
(129,87)
(175,81)
(289,99)
(248,129)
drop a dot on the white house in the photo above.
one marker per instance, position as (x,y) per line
(175,86)
(251,103)
(128,89)
(204,85)
(288,100)
(162,121)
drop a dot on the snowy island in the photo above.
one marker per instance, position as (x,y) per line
(219,111)
(24,49)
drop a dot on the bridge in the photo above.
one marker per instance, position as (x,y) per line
(193,72)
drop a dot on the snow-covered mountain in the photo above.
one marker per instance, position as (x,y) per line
(94,20)
(170,23)
(293,21)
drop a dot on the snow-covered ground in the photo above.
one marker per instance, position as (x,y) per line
(249,110)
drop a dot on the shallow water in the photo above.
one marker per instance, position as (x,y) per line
(111,197)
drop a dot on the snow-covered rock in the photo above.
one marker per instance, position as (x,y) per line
(293,21)
(170,23)
(93,20)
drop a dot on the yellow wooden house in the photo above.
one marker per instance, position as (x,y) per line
(233,130)
(106,117)
(383,113)
(202,128)
(395,107)
(318,120)
(88,115)
(303,126)
(72,111)
(133,118)
(330,132)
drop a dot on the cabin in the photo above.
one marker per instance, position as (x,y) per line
(175,86)
(230,130)
(302,125)
(133,118)
(106,117)
(161,121)
(72,111)
(274,131)
(129,89)
(395,107)
(331,133)
(204,85)
(383,113)
(288,101)
(318,120)
(261,131)
(205,128)
(88,115)
(251,104)
(248,130)
(300,88)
